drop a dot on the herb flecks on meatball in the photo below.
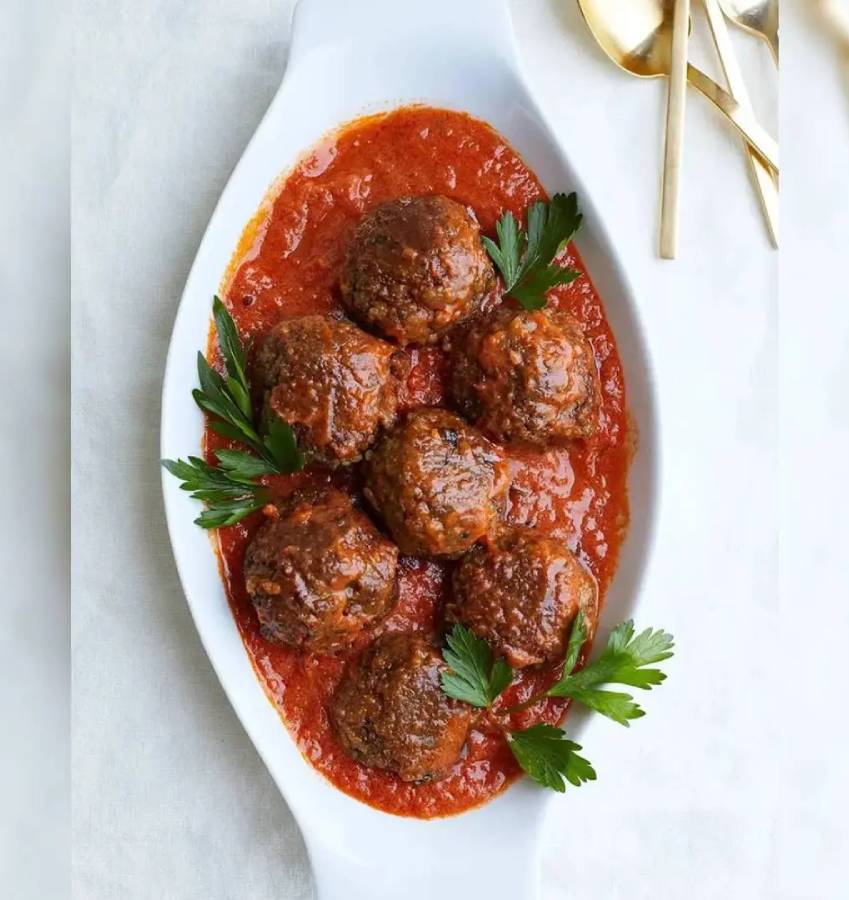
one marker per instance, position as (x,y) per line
(521,591)
(437,483)
(320,573)
(332,382)
(390,712)
(527,378)
(415,267)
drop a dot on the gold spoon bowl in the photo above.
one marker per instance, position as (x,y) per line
(637,36)
(835,15)
(760,17)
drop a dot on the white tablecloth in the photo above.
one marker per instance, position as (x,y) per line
(170,799)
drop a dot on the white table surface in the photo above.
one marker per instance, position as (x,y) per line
(702,798)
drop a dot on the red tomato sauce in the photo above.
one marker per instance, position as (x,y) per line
(288,263)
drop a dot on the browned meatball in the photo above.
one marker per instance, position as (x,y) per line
(415,267)
(527,377)
(390,712)
(521,591)
(320,573)
(332,382)
(436,482)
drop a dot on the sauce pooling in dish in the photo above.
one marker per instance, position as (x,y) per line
(289,263)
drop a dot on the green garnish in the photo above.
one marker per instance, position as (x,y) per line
(229,495)
(473,676)
(622,661)
(544,751)
(227,401)
(548,756)
(526,260)
(230,489)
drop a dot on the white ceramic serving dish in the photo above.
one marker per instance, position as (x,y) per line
(346,59)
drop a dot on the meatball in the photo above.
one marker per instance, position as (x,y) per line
(527,377)
(415,267)
(521,591)
(390,712)
(320,573)
(436,482)
(332,382)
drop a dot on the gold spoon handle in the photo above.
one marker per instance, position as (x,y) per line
(770,31)
(674,147)
(743,119)
(763,177)
(772,40)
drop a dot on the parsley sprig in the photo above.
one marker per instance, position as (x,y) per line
(226,398)
(544,751)
(230,497)
(526,259)
(623,661)
(230,489)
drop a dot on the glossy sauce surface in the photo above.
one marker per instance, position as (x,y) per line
(288,263)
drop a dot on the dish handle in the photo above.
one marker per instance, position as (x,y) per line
(482,25)
(471,855)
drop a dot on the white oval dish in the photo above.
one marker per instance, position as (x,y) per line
(348,59)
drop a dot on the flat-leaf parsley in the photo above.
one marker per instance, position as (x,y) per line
(527,259)
(230,489)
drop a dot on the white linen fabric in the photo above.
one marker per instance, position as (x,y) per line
(170,800)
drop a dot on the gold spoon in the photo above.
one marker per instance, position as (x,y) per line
(673,151)
(764,182)
(760,17)
(637,36)
(836,16)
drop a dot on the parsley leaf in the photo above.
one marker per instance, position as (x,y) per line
(228,512)
(282,445)
(230,345)
(545,753)
(506,254)
(623,661)
(473,677)
(222,399)
(577,637)
(526,260)
(229,491)
(243,466)
(226,399)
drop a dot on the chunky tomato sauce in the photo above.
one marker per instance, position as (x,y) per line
(288,263)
